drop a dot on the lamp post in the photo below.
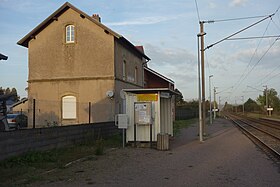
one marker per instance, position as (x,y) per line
(199,90)
(243,105)
(210,116)
(219,106)
(215,102)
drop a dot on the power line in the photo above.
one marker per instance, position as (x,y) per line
(278,74)
(236,19)
(263,80)
(276,25)
(242,77)
(197,11)
(259,60)
(262,57)
(238,32)
(254,37)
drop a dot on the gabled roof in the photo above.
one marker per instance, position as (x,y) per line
(23,100)
(150,90)
(3,57)
(140,48)
(159,75)
(54,16)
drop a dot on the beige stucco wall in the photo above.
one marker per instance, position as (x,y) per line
(48,106)
(91,55)
(84,69)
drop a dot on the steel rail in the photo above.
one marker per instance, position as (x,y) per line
(268,123)
(253,137)
(259,129)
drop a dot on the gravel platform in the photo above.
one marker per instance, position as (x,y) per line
(225,158)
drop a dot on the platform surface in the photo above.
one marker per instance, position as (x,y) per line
(225,158)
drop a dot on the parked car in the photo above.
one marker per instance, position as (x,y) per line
(17,121)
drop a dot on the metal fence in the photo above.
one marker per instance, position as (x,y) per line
(43,113)
(185,113)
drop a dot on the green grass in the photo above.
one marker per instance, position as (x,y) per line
(180,124)
(27,168)
(256,115)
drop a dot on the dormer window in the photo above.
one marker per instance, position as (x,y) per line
(70,34)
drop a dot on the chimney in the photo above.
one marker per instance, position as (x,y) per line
(97,17)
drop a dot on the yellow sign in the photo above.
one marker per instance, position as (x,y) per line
(147,97)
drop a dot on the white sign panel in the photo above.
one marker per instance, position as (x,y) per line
(122,120)
(142,113)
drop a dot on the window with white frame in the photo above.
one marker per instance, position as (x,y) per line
(70,34)
(124,70)
(69,108)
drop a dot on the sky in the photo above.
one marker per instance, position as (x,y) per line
(168,31)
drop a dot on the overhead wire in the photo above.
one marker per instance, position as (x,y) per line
(228,37)
(236,19)
(269,76)
(243,76)
(262,57)
(253,37)
(197,11)
(262,81)
(239,31)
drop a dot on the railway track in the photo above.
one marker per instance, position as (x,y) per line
(262,132)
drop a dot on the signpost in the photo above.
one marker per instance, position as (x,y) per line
(269,111)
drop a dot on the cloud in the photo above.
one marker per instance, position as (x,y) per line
(212,5)
(177,64)
(265,56)
(146,20)
(236,3)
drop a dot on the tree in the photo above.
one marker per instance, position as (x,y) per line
(8,91)
(1,91)
(251,106)
(272,98)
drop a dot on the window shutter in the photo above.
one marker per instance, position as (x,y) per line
(69,107)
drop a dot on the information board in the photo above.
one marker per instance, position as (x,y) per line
(142,111)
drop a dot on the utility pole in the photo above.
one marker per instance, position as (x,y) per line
(243,105)
(210,111)
(200,132)
(266,98)
(215,102)
(203,75)
(219,106)
(235,105)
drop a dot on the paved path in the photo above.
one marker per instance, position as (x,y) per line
(226,158)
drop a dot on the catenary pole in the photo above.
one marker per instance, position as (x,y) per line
(210,110)
(215,102)
(202,76)
(199,91)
